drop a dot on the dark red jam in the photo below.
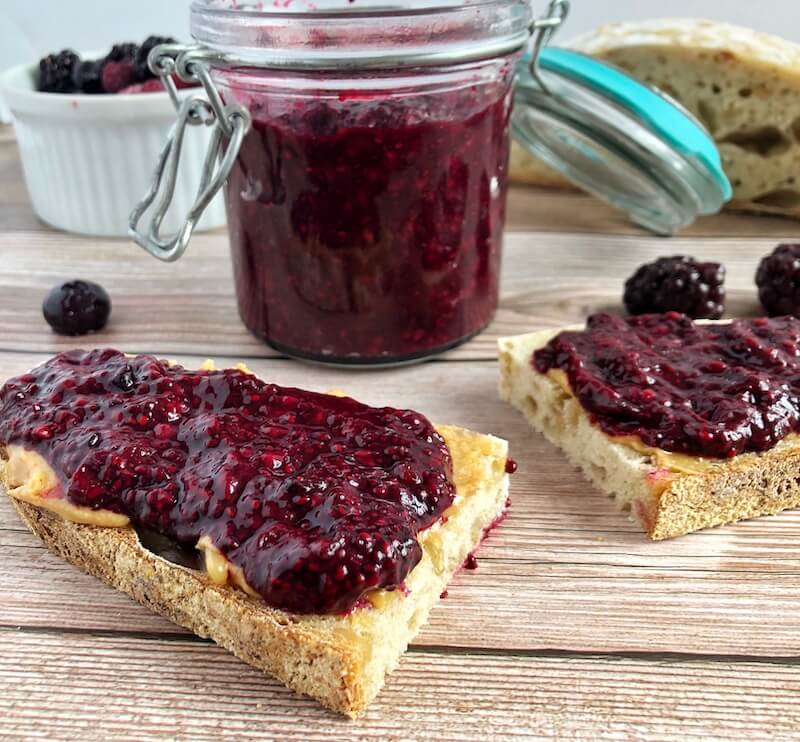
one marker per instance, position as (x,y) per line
(713,390)
(317,498)
(511,466)
(368,230)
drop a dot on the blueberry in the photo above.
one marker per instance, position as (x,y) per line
(125,379)
(76,307)
(87,77)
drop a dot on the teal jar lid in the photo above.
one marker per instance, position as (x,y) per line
(627,143)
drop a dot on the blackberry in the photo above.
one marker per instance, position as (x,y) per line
(678,283)
(140,62)
(122,53)
(55,72)
(76,307)
(87,76)
(778,280)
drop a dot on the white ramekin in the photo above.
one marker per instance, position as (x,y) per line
(88,159)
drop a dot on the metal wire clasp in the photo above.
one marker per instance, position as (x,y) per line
(542,30)
(229,121)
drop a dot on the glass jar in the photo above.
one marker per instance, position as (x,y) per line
(366,211)
(363,151)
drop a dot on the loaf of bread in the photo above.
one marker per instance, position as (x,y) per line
(742,85)
(665,500)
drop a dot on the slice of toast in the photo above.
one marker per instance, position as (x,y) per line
(668,495)
(341,660)
(744,86)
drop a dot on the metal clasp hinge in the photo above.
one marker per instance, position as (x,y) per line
(230,122)
(542,30)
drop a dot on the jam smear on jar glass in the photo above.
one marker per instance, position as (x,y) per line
(713,390)
(366,225)
(317,498)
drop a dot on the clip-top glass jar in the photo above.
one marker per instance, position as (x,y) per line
(363,148)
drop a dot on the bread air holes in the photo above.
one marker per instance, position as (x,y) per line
(766,141)
(707,115)
(796,129)
(598,473)
(783,198)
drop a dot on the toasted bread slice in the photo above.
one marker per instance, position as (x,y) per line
(743,85)
(342,661)
(667,494)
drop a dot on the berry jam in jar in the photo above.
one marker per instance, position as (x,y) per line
(366,223)
(364,158)
(363,149)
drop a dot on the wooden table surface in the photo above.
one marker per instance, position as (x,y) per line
(573,627)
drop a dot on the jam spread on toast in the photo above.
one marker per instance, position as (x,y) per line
(711,390)
(315,499)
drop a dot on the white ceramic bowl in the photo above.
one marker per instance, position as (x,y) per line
(88,159)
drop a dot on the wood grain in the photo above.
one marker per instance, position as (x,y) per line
(573,627)
(566,570)
(529,209)
(189,306)
(553,210)
(143,689)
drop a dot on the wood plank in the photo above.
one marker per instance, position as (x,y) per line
(564,571)
(502,656)
(71,687)
(189,306)
(568,599)
(555,210)
(15,206)
(529,209)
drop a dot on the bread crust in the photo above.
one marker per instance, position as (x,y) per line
(341,661)
(665,502)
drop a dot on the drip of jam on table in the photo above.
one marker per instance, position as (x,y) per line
(714,390)
(317,498)
(369,229)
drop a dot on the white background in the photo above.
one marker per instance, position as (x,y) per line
(31,28)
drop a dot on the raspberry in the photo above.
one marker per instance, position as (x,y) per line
(148,86)
(143,71)
(778,281)
(182,84)
(86,77)
(76,307)
(55,72)
(117,75)
(678,283)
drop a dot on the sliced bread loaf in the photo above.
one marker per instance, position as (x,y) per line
(742,85)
